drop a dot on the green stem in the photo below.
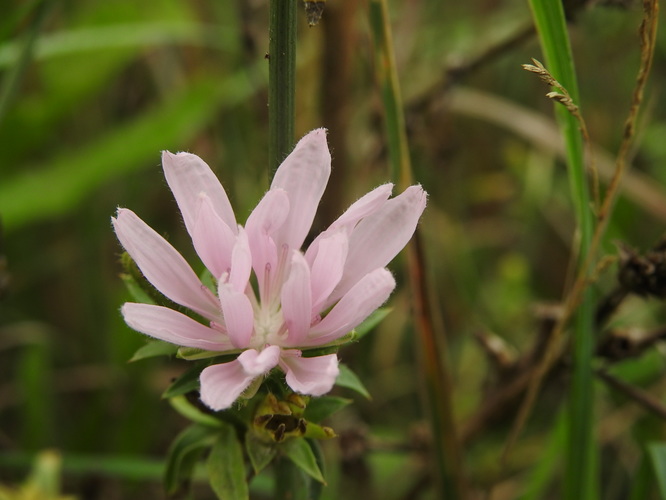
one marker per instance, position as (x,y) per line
(281,80)
(581,477)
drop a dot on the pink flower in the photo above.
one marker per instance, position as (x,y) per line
(299,300)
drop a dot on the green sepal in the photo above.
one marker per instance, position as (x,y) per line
(183,455)
(300,453)
(188,410)
(226,467)
(261,453)
(350,380)
(316,431)
(153,349)
(320,408)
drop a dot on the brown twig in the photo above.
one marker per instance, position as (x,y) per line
(637,395)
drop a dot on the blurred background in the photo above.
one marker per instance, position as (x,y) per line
(92,91)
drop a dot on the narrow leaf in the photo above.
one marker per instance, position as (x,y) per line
(299,452)
(371,321)
(348,379)
(260,452)
(188,381)
(320,408)
(152,349)
(226,469)
(658,456)
(186,409)
(183,455)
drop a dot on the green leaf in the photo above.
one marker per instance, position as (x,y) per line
(226,469)
(658,456)
(154,348)
(260,452)
(299,452)
(371,321)
(188,381)
(348,379)
(184,453)
(320,408)
(187,410)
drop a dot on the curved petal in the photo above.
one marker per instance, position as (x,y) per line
(314,376)
(238,315)
(328,267)
(296,299)
(303,175)
(188,176)
(163,266)
(212,238)
(378,238)
(222,384)
(367,295)
(257,363)
(174,327)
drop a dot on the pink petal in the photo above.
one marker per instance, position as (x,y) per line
(188,176)
(241,262)
(171,326)
(362,207)
(303,175)
(328,267)
(163,266)
(368,294)
(213,239)
(296,299)
(222,384)
(238,315)
(257,363)
(378,238)
(313,376)
(267,217)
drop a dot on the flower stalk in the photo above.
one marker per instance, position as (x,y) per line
(281,80)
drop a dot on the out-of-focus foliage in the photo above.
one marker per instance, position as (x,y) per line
(107,85)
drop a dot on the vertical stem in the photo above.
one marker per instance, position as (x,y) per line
(580,478)
(447,469)
(290,482)
(281,80)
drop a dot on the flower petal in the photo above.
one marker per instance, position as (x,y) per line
(328,267)
(174,327)
(296,299)
(368,294)
(188,176)
(241,262)
(257,363)
(303,175)
(238,315)
(222,384)
(267,217)
(314,376)
(378,238)
(162,265)
(364,206)
(213,239)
